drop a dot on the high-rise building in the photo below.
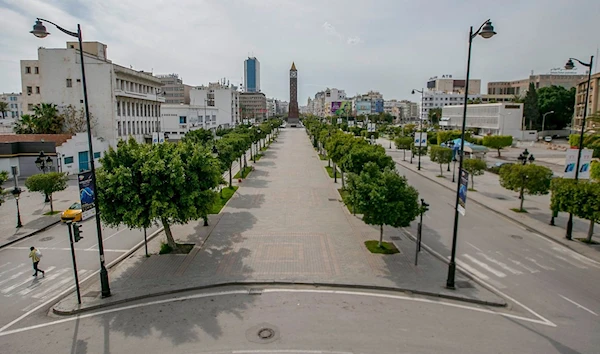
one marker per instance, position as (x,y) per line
(293,114)
(251,75)
(175,91)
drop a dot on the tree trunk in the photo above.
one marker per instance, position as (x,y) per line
(51,206)
(205,218)
(241,168)
(329,163)
(334,173)
(380,235)
(441,172)
(245,162)
(498,152)
(472,182)
(343,183)
(591,231)
(170,239)
(403,154)
(522,199)
(230,175)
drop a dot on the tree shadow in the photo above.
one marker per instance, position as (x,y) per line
(561,348)
(247,201)
(266,163)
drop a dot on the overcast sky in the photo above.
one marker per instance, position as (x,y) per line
(389,46)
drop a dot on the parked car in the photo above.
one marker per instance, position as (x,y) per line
(548,138)
(71,214)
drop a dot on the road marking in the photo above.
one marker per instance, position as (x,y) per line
(14,286)
(569,262)
(500,264)
(473,270)
(58,284)
(11,269)
(49,278)
(475,247)
(106,239)
(578,305)
(577,256)
(531,270)
(538,264)
(485,266)
(5,264)
(15,276)
(67,249)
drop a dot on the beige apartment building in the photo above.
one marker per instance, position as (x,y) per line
(253,105)
(447,84)
(520,87)
(174,90)
(593,103)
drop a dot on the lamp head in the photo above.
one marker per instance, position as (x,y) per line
(487,31)
(569,65)
(413,92)
(39,30)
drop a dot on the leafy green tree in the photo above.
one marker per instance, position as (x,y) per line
(25,125)
(227,155)
(199,136)
(581,198)
(404,143)
(3,178)
(531,109)
(47,183)
(384,197)
(444,136)
(441,155)
(557,99)
(3,108)
(475,167)
(337,147)
(435,114)
(48,121)
(497,142)
(595,171)
(362,153)
(526,179)
(170,183)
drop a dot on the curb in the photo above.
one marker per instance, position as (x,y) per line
(518,222)
(29,234)
(280,283)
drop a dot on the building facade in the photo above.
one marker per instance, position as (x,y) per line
(486,119)
(437,99)
(564,78)
(123,102)
(271,107)
(410,110)
(174,90)
(251,75)
(178,119)
(593,103)
(14,105)
(225,98)
(449,85)
(282,107)
(253,105)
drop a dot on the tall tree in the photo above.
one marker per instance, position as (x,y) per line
(362,153)
(384,198)
(497,142)
(441,155)
(557,99)
(25,125)
(3,108)
(48,120)
(530,108)
(526,179)
(581,198)
(198,136)
(475,167)
(3,178)
(404,143)
(47,183)
(435,114)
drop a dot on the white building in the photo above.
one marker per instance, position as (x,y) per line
(123,102)
(438,99)
(15,106)
(73,153)
(282,107)
(321,105)
(222,97)
(271,108)
(486,119)
(178,119)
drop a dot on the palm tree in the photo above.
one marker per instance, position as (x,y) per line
(25,125)
(47,119)
(3,108)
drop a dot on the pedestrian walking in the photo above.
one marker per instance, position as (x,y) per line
(35,256)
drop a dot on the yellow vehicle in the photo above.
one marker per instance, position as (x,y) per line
(72,214)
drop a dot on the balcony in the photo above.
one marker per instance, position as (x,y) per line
(141,96)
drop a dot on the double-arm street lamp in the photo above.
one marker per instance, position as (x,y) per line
(39,30)
(569,65)
(486,30)
(420,126)
(44,164)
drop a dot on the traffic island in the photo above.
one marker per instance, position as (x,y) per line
(386,247)
(223,198)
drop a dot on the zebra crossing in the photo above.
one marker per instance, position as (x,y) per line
(494,265)
(16,281)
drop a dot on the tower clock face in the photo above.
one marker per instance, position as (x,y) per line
(293,74)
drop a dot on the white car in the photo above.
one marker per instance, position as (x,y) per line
(548,138)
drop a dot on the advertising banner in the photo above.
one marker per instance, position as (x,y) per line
(584,163)
(350,123)
(378,107)
(335,107)
(462,192)
(87,195)
(420,139)
(363,107)
(341,108)
(339,121)
(158,138)
(371,127)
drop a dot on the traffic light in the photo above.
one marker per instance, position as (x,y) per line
(425,206)
(77,232)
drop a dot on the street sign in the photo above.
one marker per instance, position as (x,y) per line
(584,163)
(350,123)
(462,192)
(339,121)
(371,127)
(420,139)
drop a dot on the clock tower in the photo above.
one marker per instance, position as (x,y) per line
(293,113)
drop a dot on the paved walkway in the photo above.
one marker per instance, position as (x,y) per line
(491,195)
(286,224)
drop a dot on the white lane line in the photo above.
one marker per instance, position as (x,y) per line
(473,270)
(68,249)
(15,276)
(500,264)
(94,246)
(237,292)
(11,269)
(538,264)
(49,278)
(577,256)
(57,285)
(578,305)
(485,266)
(574,264)
(290,351)
(14,286)
(5,264)
(475,247)
(531,270)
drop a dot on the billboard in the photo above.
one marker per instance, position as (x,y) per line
(377,106)
(87,195)
(363,107)
(341,108)
(584,163)
(158,137)
(420,139)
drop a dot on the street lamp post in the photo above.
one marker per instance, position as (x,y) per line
(44,164)
(39,30)
(486,30)
(544,119)
(569,65)
(420,126)
(16,192)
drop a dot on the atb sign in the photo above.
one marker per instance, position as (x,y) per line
(584,163)
(420,139)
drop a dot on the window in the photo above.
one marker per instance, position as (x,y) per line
(29,90)
(182,120)
(96,155)
(69,83)
(30,107)
(119,128)
(37,70)
(37,89)
(119,109)
(28,70)
(68,160)
(214,118)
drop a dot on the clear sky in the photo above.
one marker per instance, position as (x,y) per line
(390,46)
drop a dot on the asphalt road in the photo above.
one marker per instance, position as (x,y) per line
(20,292)
(548,279)
(291,320)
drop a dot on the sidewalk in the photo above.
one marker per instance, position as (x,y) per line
(285,225)
(491,195)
